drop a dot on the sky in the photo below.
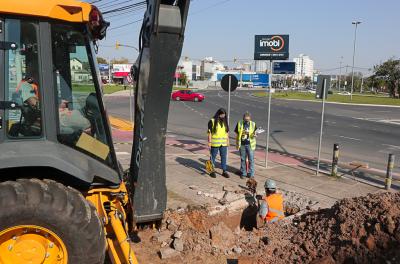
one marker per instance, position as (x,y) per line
(321,29)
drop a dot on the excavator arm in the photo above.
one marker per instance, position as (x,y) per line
(160,44)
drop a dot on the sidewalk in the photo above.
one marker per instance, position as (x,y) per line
(189,184)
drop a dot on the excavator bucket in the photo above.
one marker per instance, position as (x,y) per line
(161,41)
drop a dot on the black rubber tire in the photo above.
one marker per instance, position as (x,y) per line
(61,209)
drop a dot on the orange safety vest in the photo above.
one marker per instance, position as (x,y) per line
(275,207)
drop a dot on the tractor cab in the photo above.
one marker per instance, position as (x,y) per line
(51,111)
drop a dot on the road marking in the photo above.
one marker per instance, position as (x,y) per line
(356,139)
(392,146)
(122,153)
(355,126)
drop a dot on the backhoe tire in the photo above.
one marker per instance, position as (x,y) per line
(60,209)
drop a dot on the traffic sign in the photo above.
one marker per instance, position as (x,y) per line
(233,83)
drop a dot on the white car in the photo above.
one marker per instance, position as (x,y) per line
(344,93)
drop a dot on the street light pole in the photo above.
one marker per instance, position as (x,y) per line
(340,71)
(356,23)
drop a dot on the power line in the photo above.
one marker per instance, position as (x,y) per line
(209,7)
(124,8)
(127,24)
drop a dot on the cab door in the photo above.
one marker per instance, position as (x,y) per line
(20,80)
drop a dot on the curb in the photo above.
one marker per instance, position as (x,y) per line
(338,103)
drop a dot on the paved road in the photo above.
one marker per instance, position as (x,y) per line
(364,133)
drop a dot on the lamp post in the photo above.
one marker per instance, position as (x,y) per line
(340,71)
(356,23)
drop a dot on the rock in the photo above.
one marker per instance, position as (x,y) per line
(325,260)
(391,225)
(172,227)
(199,193)
(178,234)
(178,244)
(162,237)
(370,242)
(206,194)
(193,187)
(167,253)
(237,250)
(237,230)
(221,236)
(197,247)
(163,244)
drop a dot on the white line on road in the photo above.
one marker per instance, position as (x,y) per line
(392,146)
(356,139)
(122,153)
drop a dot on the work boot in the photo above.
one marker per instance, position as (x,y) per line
(225,174)
(213,175)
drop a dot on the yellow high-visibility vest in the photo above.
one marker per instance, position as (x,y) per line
(251,133)
(220,137)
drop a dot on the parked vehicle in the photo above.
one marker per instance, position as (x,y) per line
(187,95)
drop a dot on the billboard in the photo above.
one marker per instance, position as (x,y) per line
(261,80)
(257,79)
(271,47)
(284,67)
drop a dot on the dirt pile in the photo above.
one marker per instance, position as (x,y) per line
(358,230)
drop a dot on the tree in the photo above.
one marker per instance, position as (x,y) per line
(101,60)
(389,71)
(307,80)
(120,61)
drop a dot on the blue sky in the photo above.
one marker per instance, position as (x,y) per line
(322,29)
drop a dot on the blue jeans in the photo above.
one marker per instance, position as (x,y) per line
(222,152)
(246,151)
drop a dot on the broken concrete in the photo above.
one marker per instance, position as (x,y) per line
(221,236)
(167,253)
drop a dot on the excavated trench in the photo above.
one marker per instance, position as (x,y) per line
(359,230)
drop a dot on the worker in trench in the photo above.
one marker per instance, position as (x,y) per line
(271,205)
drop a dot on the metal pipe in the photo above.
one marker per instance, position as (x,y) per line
(269,117)
(389,172)
(324,88)
(335,159)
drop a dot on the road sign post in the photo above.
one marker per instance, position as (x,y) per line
(229,83)
(324,88)
(268,117)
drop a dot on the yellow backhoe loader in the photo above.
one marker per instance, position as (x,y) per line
(63,195)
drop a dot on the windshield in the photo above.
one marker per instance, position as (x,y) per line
(81,124)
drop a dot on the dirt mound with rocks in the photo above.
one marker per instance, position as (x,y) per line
(358,230)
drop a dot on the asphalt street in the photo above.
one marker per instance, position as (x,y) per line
(364,133)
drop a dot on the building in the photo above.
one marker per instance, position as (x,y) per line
(79,73)
(121,73)
(209,69)
(304,67)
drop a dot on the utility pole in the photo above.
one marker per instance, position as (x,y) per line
(340,71)
(356,23)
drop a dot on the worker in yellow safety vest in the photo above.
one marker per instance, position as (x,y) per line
(218,140)
(271,207)
(246,144)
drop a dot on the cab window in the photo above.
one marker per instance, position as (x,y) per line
(81,123)
(22,80)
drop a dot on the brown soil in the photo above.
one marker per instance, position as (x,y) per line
(358,230)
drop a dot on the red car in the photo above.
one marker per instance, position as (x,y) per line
(187,95)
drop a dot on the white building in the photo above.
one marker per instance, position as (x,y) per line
(304,66)
(261,66)
(186,66)
(209,69)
